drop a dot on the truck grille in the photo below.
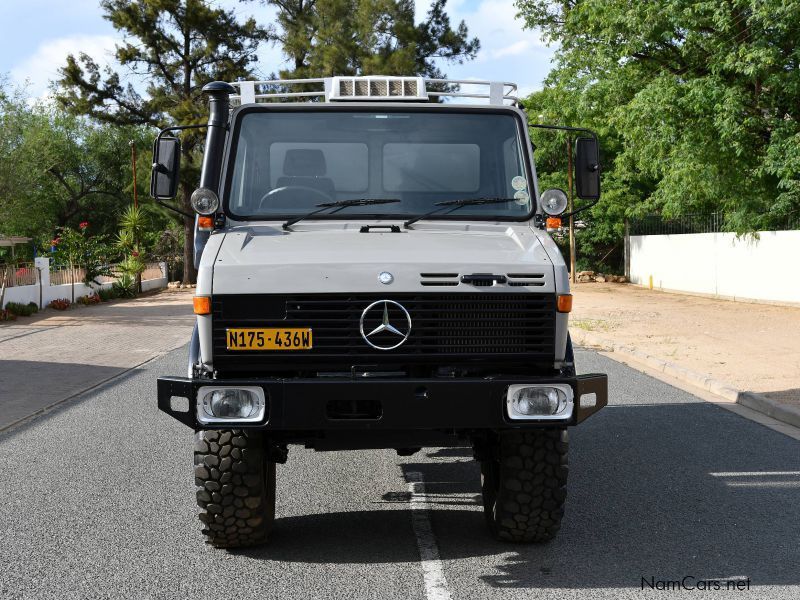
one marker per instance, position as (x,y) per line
(446,328)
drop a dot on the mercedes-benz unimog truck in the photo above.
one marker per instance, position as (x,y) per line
(375,272)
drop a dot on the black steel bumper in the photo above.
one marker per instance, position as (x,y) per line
(385,404)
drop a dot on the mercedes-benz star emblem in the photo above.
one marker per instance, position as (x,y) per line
(393,324)
(385,277)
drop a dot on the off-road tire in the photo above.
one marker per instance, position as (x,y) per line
(235,487)
(524,485)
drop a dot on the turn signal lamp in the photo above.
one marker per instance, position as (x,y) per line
(553,223)
(202,305)
(564,303)
(205,223)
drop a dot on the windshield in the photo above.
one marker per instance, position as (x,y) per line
(287,163)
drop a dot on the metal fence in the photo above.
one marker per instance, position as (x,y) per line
(700,223)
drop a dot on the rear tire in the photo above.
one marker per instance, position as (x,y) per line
(524,485)
(235,487)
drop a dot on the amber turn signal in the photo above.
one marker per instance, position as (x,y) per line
(564,304)
(205,223)
(553,223)
(202,305)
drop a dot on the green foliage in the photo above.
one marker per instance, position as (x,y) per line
(124,286)
(57,169)
(22,310)
(107,294)
(181,45)
(696,104)
(78,248)
(7,315)
(368,37)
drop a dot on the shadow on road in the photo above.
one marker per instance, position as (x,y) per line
(27,387)
(662,490)
(368,537)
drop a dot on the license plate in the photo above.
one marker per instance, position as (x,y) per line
(268,339)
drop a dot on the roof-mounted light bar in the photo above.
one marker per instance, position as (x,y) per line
(372,88)
(377,88)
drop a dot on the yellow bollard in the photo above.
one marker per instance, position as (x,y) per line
(651,282)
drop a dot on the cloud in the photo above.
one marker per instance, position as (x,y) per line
(42,66)
(517,47)
(508,51)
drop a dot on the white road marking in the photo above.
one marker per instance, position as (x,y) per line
(764,484)
(432,570)
(757,474)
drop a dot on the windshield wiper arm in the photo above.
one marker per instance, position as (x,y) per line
(339,205)
(455,205)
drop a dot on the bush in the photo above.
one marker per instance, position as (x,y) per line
(90,299)
(125,286)
(60,304)
(107,294)
(7,315)
(22,310)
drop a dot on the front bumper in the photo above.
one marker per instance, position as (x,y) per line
(385,404)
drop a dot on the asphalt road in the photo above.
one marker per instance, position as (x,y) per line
(98,503)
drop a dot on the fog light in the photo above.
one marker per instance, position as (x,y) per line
(539,401)
(225,404)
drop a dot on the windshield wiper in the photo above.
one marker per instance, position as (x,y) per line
(456,204)
(339,205)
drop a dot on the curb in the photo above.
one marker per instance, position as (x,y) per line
(10,427)
(752,400)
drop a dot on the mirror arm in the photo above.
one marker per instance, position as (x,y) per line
(578,210)
(173,209)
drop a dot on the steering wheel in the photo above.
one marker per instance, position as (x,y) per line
(288,188)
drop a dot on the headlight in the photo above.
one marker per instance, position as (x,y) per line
(539,402)
(229,404)
(554,201)
(204,201)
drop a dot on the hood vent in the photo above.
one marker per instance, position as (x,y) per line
(483,279)
(446,279)
(526,279)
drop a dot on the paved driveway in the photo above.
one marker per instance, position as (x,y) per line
(58,354)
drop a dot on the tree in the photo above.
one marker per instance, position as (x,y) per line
(700,102)
(57,169)
(368,37)
(179,46)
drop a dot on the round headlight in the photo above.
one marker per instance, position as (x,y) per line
(204,201)
(554,201)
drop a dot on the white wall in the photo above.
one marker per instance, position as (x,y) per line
(719,264)
(30,293)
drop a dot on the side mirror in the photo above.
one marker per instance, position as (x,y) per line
(587,168)
(166,168)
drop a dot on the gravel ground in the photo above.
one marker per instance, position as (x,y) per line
(718,338)
(99,504)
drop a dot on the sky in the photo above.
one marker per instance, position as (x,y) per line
(37,35)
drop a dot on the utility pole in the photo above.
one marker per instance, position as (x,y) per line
(132,144)
(570,206)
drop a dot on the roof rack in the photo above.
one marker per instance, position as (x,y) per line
(372,89)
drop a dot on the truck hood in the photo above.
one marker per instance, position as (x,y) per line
(329,257)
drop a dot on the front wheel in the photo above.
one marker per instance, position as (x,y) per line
(524,485)
(235,487)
